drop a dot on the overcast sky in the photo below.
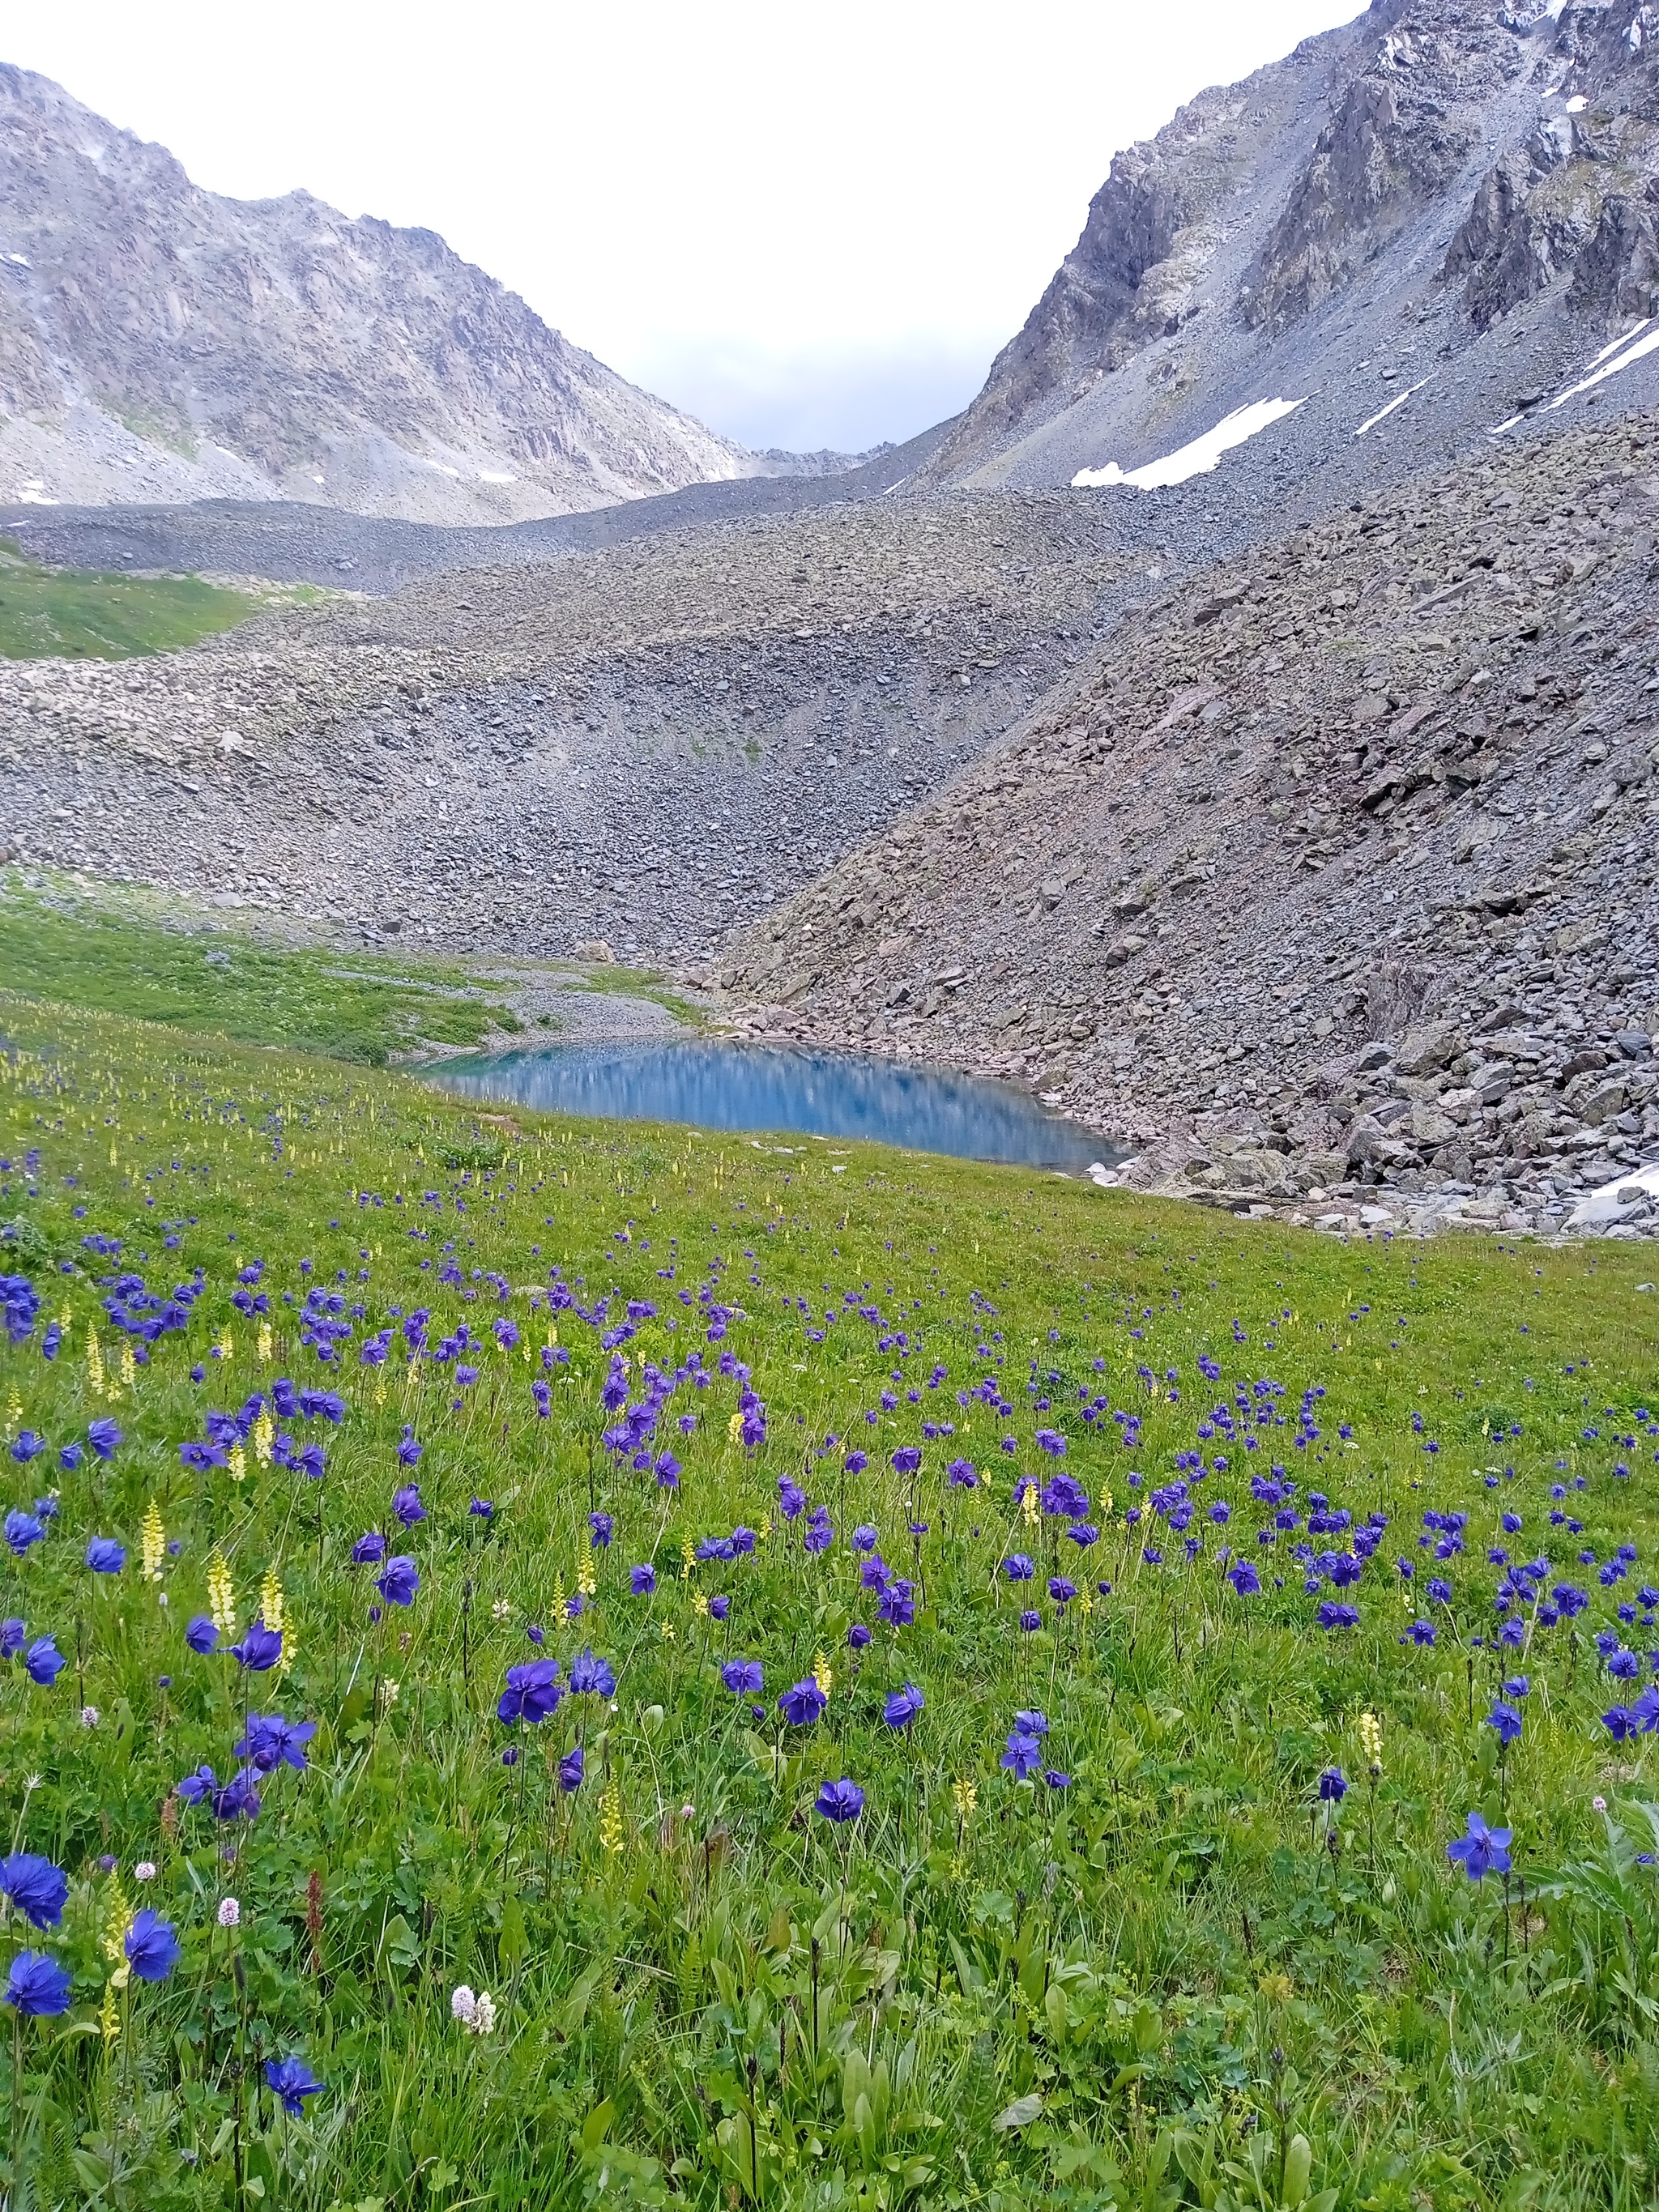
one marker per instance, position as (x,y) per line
(812,225)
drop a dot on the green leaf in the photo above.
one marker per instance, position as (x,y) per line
(513,1943)
(597,2125)
(1020,2113)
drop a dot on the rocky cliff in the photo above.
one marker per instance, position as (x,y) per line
(1418,185)
(160,342)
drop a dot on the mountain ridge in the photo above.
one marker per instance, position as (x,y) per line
(160,342)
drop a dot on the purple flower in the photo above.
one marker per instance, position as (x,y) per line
(1060,1589)
(532,1692)
(151,1947)
(44,1662)
(28,1445)
(571,1768)
(1244,1579)
(803,1704)
(1023,1755)
(22,1529)
(482,1509)
(35,1887)
(1055,1779)
(12,1632)
(961,1475)
(1333,1615)
(293,2080)
(240,1798)
(840,1801)
(1483,1851)
(592,1677)
(857,1636)
(271,1741)
(744,1677)
(104,1556)
(406,1504)
(200,1634)
(195,1787)
(603,1528)
(1030,1620)
(37,1985)
(400,1581)
(642,1580)
(902,1706)
(1505,1721)
(1333,1786)
(1017,1567)
(259,1650)
(409,1452)
(368,1550)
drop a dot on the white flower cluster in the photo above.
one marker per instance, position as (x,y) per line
(476,2012)
(230,1913)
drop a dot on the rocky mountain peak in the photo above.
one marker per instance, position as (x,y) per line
(162,342)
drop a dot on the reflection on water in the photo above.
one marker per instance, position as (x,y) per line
(721,1085)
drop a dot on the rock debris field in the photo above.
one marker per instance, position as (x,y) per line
(1330,883)
(1323,877)
(638,746)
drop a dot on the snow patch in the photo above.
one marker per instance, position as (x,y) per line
(497,475)
(1383,413)
(1577,104)
(1602,1204)
(1645,339)
(21,260)
(1196,460)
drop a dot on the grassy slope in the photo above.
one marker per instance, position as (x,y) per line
(1163,1954)
(68,614)
(359,1007)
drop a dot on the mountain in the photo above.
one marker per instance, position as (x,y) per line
(162,344)
(1440,205)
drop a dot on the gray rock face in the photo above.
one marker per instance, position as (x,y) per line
(1317,876)
(642,745)
(1438,204)
(159,342)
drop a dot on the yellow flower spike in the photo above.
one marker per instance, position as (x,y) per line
(734,1427)
(688,1556)
(129,1368)
(264,1437)
(822,1676)
(117,1919)
(265,1344)
(379,1386)
(270,1601)
(1370,1736)
(700,1606)
(225,1348)
(1028,1505)
(153,1543)
(109,2016)
(221,1596)
(587,1580)
(966,1794)
(668,1631)
(14,1415)
(610,1819)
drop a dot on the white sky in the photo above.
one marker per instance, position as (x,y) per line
(810,225)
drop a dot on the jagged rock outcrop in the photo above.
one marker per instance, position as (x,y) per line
(158,341)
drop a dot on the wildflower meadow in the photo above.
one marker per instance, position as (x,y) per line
(551,1664)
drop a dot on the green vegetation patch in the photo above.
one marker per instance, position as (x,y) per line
(77,615)
(102,957)
(558,1665)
